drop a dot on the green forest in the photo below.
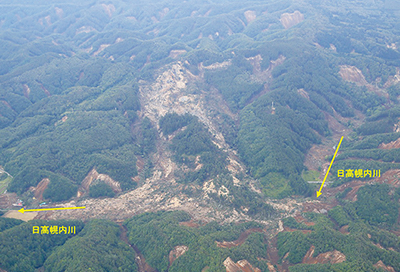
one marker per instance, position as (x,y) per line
(21,250)
(239,101)
(164,232)
(98,247)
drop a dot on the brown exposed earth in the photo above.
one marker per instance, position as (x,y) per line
(94,175)
(303,93)
(263,75)
(392,80)
(109,9)
(190,224)
(352,195)
(396,127)
(391,177)
(163,13)
(391,145)
(240,266)
(250,15)
(242,238)
(315,157)
(330,192)
(378,245)
(291,19)
(176,53)
(45,90)
(291,230)
(161,192)
(39,189)
(300,219)
(85,29)
(318,206)
(344,230)
(328,202)
(26,90)
(352,74)
(272,251)
(59,12)
(6,104)
(176,253)
(101,48)
(271,268)
(332,257)
(381,265)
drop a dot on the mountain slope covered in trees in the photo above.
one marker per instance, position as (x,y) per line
(224,109)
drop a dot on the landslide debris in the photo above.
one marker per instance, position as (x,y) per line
(381,265)
(332,257)
(240,266)
(250,15)
(291,19)
(176,253)
(171,91)
(242,238)
(39,189)
(391,145)
(94,175)
(352,74)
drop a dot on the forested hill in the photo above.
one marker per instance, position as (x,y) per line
(202,129)
(225,98)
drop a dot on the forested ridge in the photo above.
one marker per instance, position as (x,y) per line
(226,109)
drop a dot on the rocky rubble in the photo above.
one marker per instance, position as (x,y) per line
(174,90)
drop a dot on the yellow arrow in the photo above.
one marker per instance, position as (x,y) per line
(50,209)
(327,172)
